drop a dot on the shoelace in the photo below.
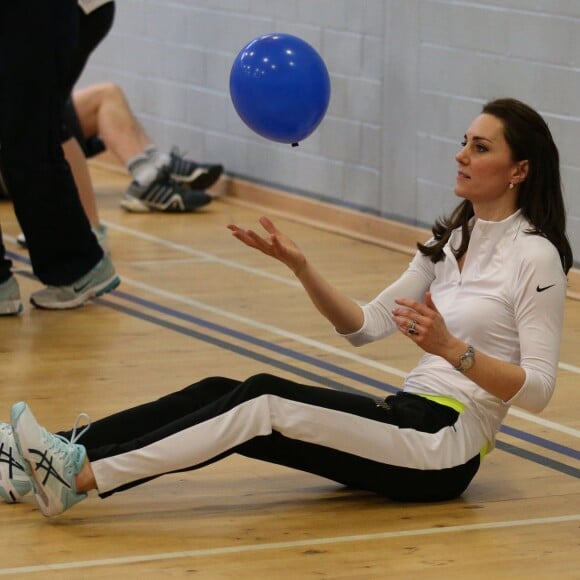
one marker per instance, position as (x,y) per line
(74,437)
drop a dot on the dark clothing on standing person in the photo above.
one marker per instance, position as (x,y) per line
(37,41)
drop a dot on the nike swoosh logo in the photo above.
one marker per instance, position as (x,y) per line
(80,288)
(540,289)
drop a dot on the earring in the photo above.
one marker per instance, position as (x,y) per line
(511,185)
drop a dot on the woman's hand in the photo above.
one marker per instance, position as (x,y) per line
(276,244)
(424,325)
(498,377)
(343,313)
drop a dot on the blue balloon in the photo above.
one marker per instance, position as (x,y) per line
(280,87)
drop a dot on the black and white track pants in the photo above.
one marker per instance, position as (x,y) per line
(407,448)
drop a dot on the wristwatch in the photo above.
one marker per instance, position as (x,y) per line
(466,360)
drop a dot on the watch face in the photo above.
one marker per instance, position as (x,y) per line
(466,360)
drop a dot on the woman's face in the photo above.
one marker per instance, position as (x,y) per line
(486,167)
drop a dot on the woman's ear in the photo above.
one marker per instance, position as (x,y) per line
(521,171)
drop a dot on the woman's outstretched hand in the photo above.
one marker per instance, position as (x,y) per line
(343,313)
(275,244)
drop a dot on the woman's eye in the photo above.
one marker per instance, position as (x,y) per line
(476,146)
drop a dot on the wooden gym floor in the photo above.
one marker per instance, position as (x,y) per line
(195,302)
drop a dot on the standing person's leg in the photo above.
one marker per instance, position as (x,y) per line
(10,302)
(80,169)
(92,28)
(62,247)
(77,161)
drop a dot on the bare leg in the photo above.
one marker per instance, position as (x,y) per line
(103,109)
(82,178)
(78,164)
(85,478)
(161,181)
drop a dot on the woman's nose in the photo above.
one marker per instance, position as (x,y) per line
(461,156)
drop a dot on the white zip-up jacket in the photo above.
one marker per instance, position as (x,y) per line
(507,301)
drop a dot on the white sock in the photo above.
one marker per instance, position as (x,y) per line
(142,170)
(159,159)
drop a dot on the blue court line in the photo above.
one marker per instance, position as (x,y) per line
(541,442)
(265,344)
(537,458)
(318,363)
(310,376)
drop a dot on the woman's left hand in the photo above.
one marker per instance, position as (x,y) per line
(274,244)
(423,324)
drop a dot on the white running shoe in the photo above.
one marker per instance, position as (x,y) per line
(14,482)
(50,461)
(10,303)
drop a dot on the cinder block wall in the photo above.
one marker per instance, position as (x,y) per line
(407,78)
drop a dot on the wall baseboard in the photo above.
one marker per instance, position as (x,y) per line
(327,216)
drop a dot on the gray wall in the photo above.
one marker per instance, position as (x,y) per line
(407,78)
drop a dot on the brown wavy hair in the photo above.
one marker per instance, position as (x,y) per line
(540,194)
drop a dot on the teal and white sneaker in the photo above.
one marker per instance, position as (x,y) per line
(10,303)
(50,461)
(101,279)
(14,482)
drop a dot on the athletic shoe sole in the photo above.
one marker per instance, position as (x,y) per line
(202,178)
(11,308)
(175,204)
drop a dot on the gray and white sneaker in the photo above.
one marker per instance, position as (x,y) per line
(101,279)
(10,303)
(194,175)
(163,194)
(14,482)
(51,462)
